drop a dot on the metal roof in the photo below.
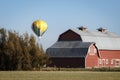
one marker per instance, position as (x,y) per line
(68,49)
(103,40)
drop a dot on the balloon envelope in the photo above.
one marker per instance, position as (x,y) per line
(39,27)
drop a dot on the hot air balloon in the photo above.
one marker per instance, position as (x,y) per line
(39,27)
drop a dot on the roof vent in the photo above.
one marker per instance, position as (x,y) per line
(101,29)
(82,28)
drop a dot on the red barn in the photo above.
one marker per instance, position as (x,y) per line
(83,48)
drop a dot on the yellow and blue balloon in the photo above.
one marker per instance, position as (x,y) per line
(39,27)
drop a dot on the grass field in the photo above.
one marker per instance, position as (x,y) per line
(58,75)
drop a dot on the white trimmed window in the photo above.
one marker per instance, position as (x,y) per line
(106,61)
(117,62)
(92,50)
(111,61)
(100,61)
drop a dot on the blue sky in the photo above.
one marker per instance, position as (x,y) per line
(60,15)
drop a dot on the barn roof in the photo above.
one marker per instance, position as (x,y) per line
(104,40)
(68,49)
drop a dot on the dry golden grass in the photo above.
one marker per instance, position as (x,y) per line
(58,75)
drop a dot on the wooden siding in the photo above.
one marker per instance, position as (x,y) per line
(109,58)
(69,36)
(92,57)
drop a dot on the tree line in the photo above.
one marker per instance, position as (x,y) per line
(20,52)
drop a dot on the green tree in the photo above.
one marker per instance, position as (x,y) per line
(26,61)
(2,49)
(20,52)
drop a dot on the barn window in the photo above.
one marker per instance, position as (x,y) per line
(106,61)
(100,61)
(92,50)
(117,62)
(111,61)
